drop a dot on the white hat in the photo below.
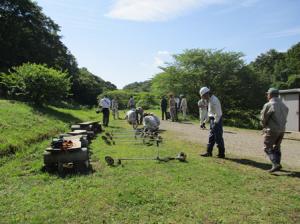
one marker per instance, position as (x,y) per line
(203,90)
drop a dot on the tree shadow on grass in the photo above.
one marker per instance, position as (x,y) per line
(265,166)
(65,117)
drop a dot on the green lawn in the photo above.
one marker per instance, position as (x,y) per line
(200,191)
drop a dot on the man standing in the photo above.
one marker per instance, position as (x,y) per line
(273,120)
(183,106)
(216,125)
(131,103)
(114,108)
(163,107)
(202,104)
(139,115)
(177,106)
(105,104)
(172,105)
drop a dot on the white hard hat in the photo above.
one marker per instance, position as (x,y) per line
(203,90)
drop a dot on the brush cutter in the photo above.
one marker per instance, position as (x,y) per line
(181,157)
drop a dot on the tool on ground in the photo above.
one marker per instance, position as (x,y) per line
(181,157)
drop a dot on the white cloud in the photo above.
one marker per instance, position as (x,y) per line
(155,10)
(161,58)
(162,10)
(284,33)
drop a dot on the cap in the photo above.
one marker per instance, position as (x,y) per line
(273,91)
(203,90)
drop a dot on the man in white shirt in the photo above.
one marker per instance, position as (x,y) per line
(216,125)
(105,105)
(115,108)
(151,122)
(131,118)
(183,106)
(203,106)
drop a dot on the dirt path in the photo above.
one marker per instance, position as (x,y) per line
(239,142)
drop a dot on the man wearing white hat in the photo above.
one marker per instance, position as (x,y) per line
(216,124)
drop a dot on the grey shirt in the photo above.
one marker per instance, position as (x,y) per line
(274,115)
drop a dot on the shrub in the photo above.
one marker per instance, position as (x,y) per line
(36,83)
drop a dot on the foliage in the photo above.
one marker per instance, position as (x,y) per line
(235,84)
(139,86)
(279,69)
(36,83)
(86,87)
(27,35)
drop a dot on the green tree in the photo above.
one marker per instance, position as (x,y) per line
(139,86)
(27,35)
(36,83)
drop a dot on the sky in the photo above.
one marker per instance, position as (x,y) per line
(125,41)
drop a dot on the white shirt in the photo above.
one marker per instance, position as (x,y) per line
(105,103)
(214,108)
(131,116)
(151,122)
(202,104)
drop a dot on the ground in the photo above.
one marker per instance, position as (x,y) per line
(239,142)
(202,190)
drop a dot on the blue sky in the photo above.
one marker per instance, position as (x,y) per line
(124,41)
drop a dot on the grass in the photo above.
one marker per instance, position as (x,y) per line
(204,190)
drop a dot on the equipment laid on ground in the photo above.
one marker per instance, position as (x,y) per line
(71,148)
(65,150)
(147,137)
(181,157)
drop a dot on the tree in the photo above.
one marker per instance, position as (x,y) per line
(139,86)
(86,87)
(36,83)
(27,35)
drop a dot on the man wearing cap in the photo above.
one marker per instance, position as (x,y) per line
(273,120)
(216,125)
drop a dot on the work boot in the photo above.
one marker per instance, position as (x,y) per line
(208,154)
(275,167)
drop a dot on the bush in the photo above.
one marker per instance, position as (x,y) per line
(36,83)
(242,119)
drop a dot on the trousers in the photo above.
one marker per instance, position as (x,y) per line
(272,145)
(216,136)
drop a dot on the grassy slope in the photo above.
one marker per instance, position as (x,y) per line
(200,191)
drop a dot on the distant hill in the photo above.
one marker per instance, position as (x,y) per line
(139,86)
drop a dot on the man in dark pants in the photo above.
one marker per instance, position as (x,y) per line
(105,105)
(273,119)
(216,125)
(163,107)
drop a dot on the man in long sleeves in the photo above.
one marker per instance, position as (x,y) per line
(273,120)
(163,107)
(105,104)
(216,124)
(183,106)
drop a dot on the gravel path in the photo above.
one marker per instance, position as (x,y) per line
(240,142)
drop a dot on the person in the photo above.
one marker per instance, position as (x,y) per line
(273,120)
(163,107)
(114,108)
(183,106)
(172,105)
(131,103)
(105,105)
(139,115)
(151,122)
(177,106)
(202,104)
(216,125)
(131,118)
